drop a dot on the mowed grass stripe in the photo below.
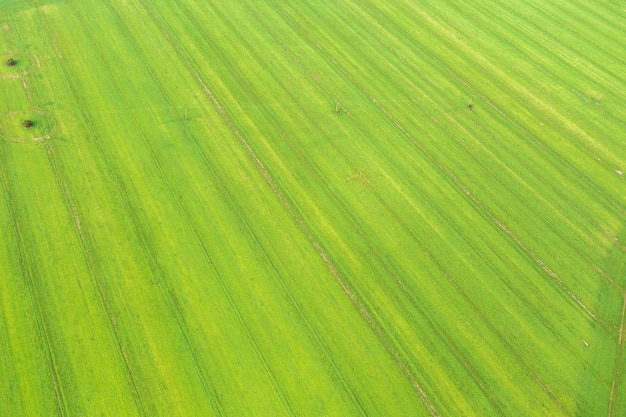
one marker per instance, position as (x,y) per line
(515,46)
(171,297)
(313,333)
(586,80)
(91,261)
(19,310)
(32,322)
(589,36)
(467,71)
(259,352)
(39,205)
(110,314)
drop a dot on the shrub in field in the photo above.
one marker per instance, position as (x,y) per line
(27,123)
(11,62)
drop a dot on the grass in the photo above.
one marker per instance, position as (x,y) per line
(278,208)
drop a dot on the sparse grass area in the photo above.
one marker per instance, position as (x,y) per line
(353,208)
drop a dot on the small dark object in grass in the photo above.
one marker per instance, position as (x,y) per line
(11,62)
(470,107)
(27,124)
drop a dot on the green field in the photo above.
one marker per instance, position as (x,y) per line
(313,208)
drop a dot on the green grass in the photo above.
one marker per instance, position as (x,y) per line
(286,208)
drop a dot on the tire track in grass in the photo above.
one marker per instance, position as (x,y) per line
(545,147)
(312,333)
(546,388)
(544,21)
(353,222)
(83,237)
(27,277)
(87,251)
(613,13)
(91,262)
(183,54)
(157,270)
(293,214)
(503,166)
(618,369)
(556,36)
(579,251)
(395,275)
(530,53)
(528,251)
